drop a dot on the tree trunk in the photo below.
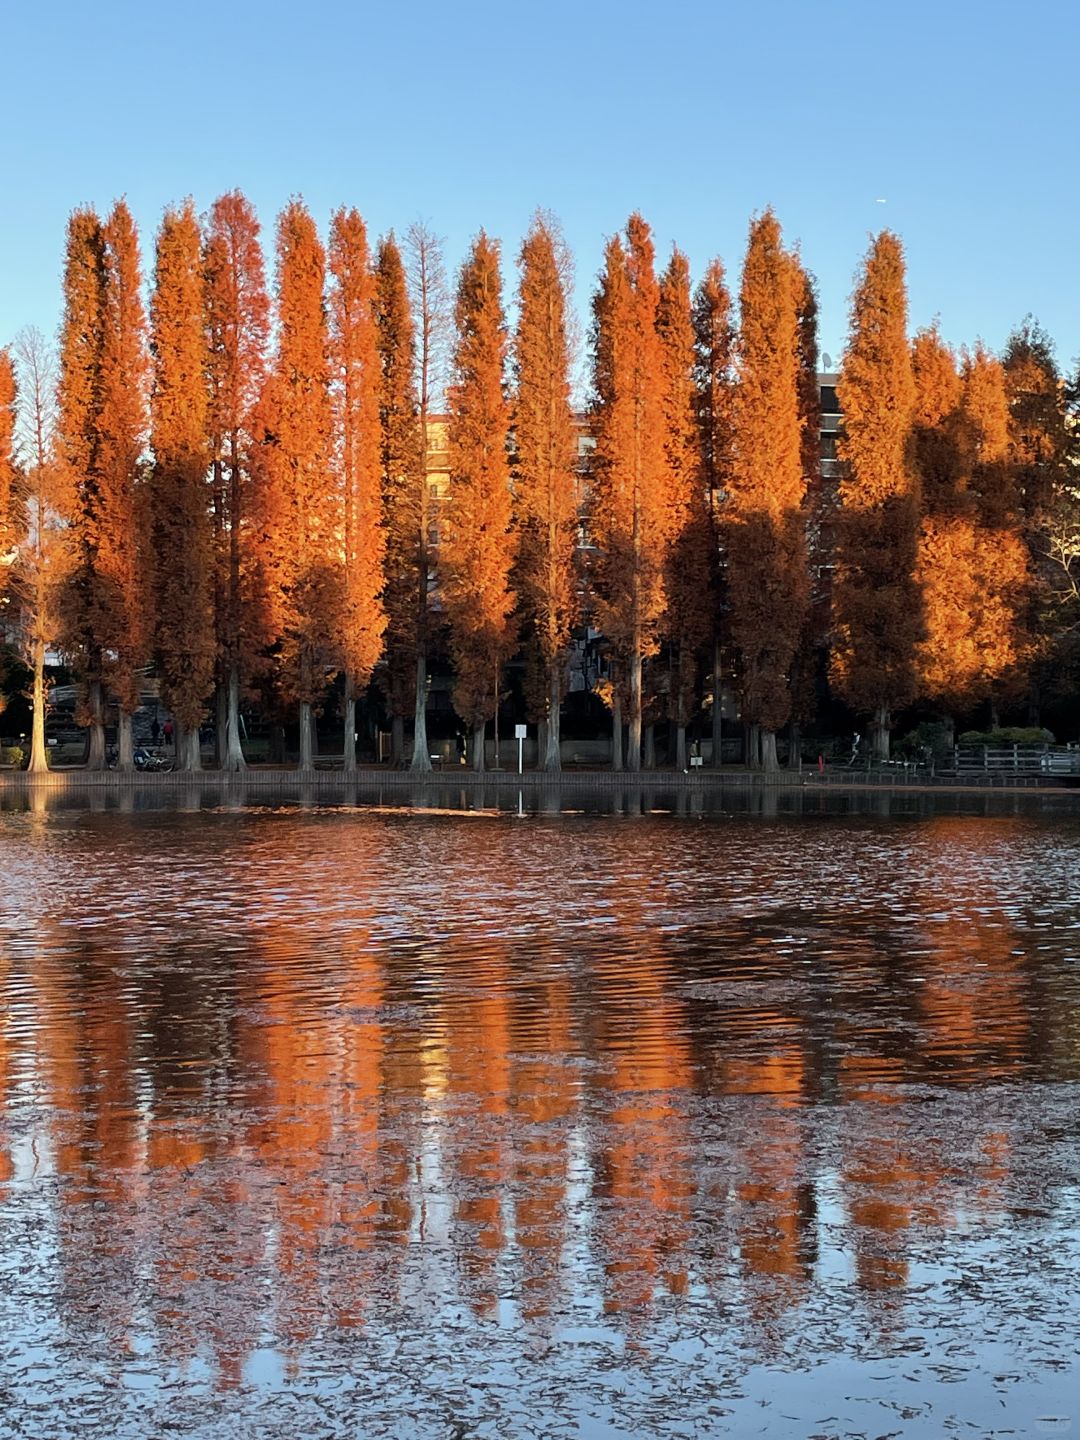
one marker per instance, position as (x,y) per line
(233,757)
(880,734)
(768,751)
(649,747)
(753,747)
(680,748)
(995,714)
(95,755)
(221,722)
(551,756)
(498,758)
(397,741)
(307,747)
(717,707)
(349,748)
(125,743)
(478,746)
(189,751)
(277,744)
(794,759)
(616,732)
(39,755)
(421,755)
(633,746)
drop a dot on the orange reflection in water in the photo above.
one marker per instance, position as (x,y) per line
(339,1118)
(643,1164)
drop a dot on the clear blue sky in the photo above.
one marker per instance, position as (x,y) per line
(961,114)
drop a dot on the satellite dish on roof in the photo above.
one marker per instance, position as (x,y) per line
(826,360)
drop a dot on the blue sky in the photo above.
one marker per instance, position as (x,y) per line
(960,115)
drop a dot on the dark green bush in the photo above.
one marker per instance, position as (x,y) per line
(1008,735)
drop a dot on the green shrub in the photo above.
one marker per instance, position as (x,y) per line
(1008,735)
(931,739)
(13,755)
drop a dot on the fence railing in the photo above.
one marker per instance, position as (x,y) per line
(1020,759)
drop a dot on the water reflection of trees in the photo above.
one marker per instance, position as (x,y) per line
(322,1122)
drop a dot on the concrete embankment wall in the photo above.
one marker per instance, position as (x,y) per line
(266,779)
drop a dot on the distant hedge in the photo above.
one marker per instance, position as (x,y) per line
(1009,735)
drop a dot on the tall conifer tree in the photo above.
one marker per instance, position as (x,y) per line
(690,579)
(357,445)
(299,543)
(946,653)
(180,521)
(78,436)
(1003,582)
(1040,459)
(877,614)
(713,341)
(972,562)
(1038,439)
(123,615)
(765,525)
(631,518)
(237,323)
(545,489)
(478,552)
(404,667)
(817,507)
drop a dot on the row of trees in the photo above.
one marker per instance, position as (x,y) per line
(236,492)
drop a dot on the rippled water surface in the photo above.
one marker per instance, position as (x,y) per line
(323,1120)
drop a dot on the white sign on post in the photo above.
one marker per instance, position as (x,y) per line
(520,732)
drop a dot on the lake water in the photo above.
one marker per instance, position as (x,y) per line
(323,1120)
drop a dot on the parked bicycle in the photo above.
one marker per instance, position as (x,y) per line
(148,761)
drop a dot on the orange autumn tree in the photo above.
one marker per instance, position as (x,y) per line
(813,637)
(299,543)
(630,516)
(690,571)
(1003,580)
(122,613)
(237,325)
(946,653)
(545,478)
(10,527)
(877,612)
(78,446)
(713,340)
(479,548)
(404,490)
(182,551)
(972,561)
(768,580)
(356,387)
